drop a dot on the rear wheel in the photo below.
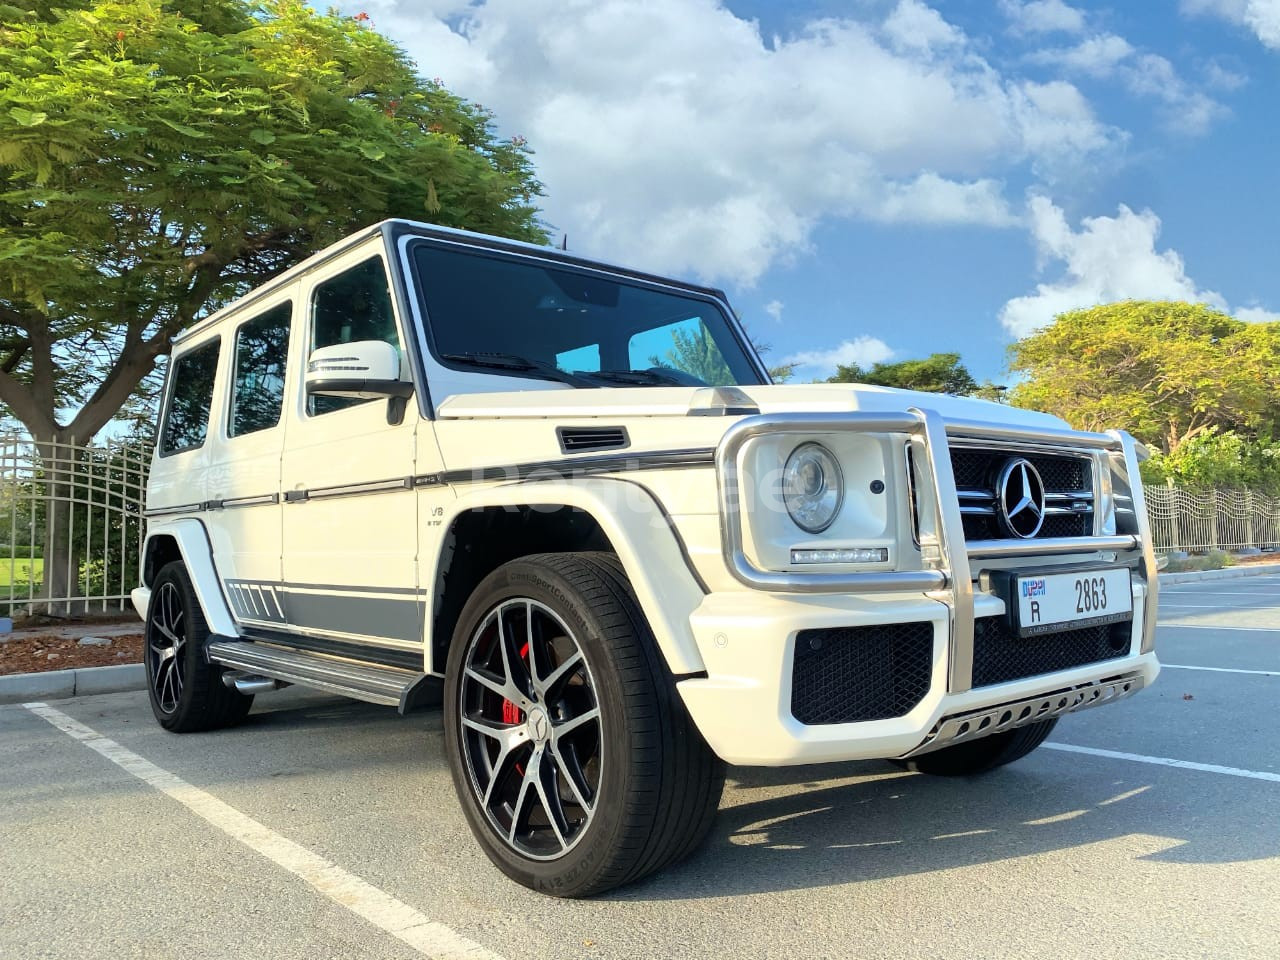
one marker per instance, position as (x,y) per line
(576,764)
(979,756)
(187,692)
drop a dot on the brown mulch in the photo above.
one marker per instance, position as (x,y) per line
(41,652)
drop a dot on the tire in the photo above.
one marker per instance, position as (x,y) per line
(981,756)
(186,690)
(576,764)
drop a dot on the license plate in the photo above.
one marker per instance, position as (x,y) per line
(1053,601)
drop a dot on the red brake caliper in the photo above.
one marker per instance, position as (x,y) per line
(510,712)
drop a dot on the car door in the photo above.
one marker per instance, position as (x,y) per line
(349,513)
(243,516)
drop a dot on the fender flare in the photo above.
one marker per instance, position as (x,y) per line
(197,557)
(641,534)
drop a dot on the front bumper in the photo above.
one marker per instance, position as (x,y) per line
(743,707)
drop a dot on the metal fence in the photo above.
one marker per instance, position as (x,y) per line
(1199,520)
(70,523)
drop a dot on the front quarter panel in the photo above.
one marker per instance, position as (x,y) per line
(641,535)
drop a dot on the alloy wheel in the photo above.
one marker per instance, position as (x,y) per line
(166,647)
(531,729)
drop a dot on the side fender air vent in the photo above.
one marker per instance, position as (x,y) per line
(584,439)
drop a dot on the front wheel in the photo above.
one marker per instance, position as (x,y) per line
(576,764)
(979,756)
(186,690)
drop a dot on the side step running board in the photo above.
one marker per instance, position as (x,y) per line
(372,683)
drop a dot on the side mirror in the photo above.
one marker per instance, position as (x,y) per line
(366,369)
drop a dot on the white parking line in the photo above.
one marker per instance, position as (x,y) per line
(429,938)
(1212,626)
(1258,673)
(1228,607)
(1166,762)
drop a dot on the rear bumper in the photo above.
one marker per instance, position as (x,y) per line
(743,707)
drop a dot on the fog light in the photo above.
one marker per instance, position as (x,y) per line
(844,555)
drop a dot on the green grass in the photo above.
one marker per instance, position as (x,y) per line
(20,571)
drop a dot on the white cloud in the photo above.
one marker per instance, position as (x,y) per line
(1107,259)
(1043,16)
(1107,55)
(1097,56)
(672,135)
(1222,77)
(864,351)
(774,309)
(1260,16)
(1255,315)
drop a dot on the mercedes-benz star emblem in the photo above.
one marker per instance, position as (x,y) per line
(1020,499)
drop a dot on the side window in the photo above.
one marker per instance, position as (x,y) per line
(262,345)
(354,305)
(186,421)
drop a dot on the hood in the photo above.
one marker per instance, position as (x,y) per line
(555,401)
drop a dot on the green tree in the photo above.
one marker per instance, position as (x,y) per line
(1166,371)
(1216,459)
(162,156)
(937,373)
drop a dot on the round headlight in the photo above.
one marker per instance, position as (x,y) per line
(812,487)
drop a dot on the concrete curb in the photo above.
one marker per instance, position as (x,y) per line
(82,682)
(1231,573)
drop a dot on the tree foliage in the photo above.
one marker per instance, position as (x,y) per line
(937,373)
(1166,371)
(161,156)
(1214,460)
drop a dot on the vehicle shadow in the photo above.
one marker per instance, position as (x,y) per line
(811,833)
(809,827)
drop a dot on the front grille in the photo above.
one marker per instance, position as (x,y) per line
(852,674)
(1068,485)
(1000,656)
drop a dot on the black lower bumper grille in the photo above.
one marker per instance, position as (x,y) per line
(853,674)
(999,656)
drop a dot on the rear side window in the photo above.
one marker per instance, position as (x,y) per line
(354,305)
(186,422)
(262,345)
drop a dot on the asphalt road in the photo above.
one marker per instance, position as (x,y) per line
(135,846)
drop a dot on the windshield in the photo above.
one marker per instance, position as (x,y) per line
(532,319)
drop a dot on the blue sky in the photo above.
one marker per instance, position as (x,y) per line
(881,179)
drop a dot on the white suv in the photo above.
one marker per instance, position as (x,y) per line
(567,497)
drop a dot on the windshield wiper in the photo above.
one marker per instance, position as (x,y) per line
(643,377)
(511,361)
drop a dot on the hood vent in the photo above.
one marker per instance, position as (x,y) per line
(586,439)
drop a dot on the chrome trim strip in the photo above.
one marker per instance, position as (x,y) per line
(1049,546)
(581,466)
(1040,436)
(171,511)
(1019,713)
(261,499)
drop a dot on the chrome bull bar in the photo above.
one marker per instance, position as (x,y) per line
(947,573)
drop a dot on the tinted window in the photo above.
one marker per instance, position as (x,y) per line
(354,305)
(580,321)
(187,420)
(262,346)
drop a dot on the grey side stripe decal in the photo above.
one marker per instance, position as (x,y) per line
(542,470)
(394,617)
